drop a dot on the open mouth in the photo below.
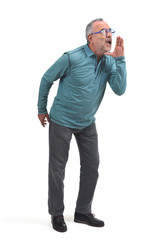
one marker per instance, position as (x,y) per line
(109,41)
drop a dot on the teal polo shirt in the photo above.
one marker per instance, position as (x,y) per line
(82,86)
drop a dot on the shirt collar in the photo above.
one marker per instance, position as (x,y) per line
(88,51)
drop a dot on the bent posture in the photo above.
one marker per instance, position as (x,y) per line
(84,74)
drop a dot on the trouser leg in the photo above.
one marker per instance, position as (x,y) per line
(87,141)
(59,142)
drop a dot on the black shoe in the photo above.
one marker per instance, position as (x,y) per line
(58,223)
(88,219)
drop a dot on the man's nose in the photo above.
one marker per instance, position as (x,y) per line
(109,34)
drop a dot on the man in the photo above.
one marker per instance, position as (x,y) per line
(83,73)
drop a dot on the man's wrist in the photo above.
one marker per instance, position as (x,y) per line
(119,57)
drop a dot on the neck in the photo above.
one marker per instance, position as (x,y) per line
(98,54)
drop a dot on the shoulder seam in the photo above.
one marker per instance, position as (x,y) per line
(69,62)
(75,50)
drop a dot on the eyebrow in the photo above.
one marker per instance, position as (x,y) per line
(105,28)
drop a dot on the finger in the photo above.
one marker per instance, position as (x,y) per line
(48,119)
(118,41)
(122,43)
(122,40)
(108,53)
(43,124)
(41,118)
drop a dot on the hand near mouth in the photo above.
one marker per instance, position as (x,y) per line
(119,49)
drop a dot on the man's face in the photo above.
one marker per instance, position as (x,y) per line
(100,42)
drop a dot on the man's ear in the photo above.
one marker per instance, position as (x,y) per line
(89,38)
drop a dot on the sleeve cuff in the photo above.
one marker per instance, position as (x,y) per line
(117,58)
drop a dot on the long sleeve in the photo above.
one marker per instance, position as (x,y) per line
(117,79)
(58,70)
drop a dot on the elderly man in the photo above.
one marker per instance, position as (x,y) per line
(83,73)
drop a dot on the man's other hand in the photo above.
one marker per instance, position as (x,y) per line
(44,118)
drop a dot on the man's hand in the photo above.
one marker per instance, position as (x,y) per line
(119,49)
(44,118)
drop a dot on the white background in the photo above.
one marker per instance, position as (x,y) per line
(35,33)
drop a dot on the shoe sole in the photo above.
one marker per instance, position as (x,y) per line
(79,221)
(59,230)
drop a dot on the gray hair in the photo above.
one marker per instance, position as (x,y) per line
(89,26)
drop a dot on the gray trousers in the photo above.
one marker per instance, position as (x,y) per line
(59,143)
